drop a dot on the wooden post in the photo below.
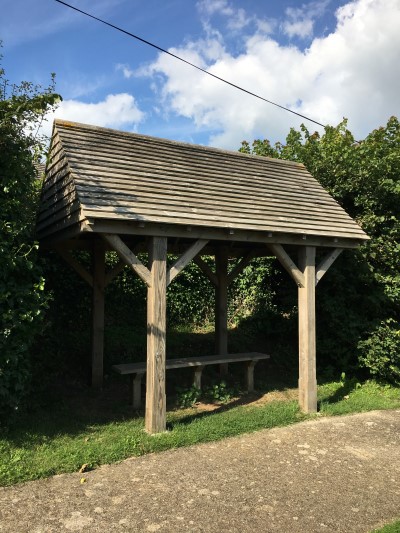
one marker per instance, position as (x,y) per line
(221,305)
(156,332)
(307,343)
(250,375)
(98,259)
(198,370)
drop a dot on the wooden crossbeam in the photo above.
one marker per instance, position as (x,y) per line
(76,265)
(326,263)
(287,263)
(240,266)
(206,270)
(184,259)
(128,257)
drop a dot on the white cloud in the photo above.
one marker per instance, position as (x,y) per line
(300,28)
(300,20)
(126,71)
(235,18)
(115,111)
(211,7)
(351,72)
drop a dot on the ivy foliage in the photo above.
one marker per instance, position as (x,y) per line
(359,301)
(22,108)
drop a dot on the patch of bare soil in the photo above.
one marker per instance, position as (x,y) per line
(252,399)
(276,395)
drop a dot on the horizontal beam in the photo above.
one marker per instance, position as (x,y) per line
(326,263)
(206,270)
(282,256)
(221,234)
(128,257)
(80,269)
(184,259)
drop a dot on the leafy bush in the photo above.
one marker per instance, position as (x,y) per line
(362,287)
(187,397)
(219,392)
(21,282)
(381,352)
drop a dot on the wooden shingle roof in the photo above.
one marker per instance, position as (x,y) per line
(97,175)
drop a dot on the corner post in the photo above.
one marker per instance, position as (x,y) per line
(155,421)
(221,305)
(98,261)
(307,342)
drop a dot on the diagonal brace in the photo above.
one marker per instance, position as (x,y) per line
(206,270)
(326,263)
(113,273)
(185,259)
(240,266)
(128,257)
(76,265)
(285,260)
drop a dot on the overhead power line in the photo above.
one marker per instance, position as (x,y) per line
(188,62)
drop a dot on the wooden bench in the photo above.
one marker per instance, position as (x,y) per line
(137,370)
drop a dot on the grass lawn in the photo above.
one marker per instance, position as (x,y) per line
(84,427)
(390,528)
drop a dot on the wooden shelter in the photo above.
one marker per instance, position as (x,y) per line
(111,190)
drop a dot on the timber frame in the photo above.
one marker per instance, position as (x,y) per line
(130,202)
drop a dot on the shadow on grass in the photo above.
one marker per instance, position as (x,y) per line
(218,408)
(347,387)
(72,408)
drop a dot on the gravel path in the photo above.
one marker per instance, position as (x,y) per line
(328,475)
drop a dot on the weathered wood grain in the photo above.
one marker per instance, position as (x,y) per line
(137,370)
(204,267)
(135,227)
(326,263)
(185,259)
(287,263)
(155,419)
(133,177)
(128,257)
(307,338)
(240,266)
(113,273)
(213,221)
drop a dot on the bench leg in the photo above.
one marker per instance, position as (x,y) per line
(250,375)
(197,377)
(136,390)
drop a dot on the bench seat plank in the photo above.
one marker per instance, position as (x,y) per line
(183,362)
(137,370)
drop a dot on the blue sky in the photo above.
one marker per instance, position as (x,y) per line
(326,59)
